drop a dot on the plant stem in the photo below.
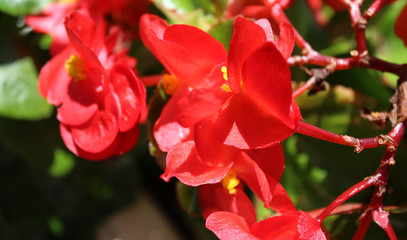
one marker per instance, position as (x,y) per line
(367,182)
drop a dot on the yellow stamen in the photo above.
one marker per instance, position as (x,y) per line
(230,182)
(224,70)
(226,88)
(170,84)
(76,68)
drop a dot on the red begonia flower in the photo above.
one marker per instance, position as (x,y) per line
(124,13)
(400,25)
(189,55)
(260,111)
(50,21)
(288,226)
(207,161)
(99,98)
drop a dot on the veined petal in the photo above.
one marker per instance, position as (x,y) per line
(286,40)
(100,132)
(184,163)
(199,104)
(229,226)
(267,82)
(254,177)
(80,31)
(53,79)
(243,125)
(210,150)
(167,131)
(205,51)
(247,37)
(130,94)
(70,144)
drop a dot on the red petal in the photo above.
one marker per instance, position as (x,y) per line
(167,131)
(245,126)
(73,113)
(80,103)
(282,227)
(281,202)
(80,30)
(286,40)
(101,131)
(53,78)
(261,184)
(50,21)
(131,96)
(247,37)
(267,82)
(205,51)
(211,151)
(184,163)
(214,198)
(229,226)
(179,49)
(68,140)
(199,104)
(270,160)
(400,25)
(309,228)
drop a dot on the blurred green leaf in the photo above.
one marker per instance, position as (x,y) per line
(22,7)
(200,14)
(62,164)
(223,32)
(19,96)
(188,198)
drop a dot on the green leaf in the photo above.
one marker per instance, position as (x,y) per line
(19,96)
(188,198)
(62,164)
(223,32)
(22,7)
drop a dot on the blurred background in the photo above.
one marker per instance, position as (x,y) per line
(48,193)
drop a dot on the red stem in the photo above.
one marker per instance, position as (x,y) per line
(367,182)
(390,232)
(364,225)
(303,88)
(374,8)
(359,144)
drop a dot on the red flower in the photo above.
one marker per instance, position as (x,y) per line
(216,197)
(124,13)
(399,26)
(190,56)
(99,98)
(288,226)
(207,161)
(254,106)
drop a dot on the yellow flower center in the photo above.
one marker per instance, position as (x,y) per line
(230,182)
(76,68)
(225,87)
(169,83)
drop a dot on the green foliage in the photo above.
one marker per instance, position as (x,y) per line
(22,7)
(19,96)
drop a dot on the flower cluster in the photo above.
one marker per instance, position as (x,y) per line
(226,111)
(91,80)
